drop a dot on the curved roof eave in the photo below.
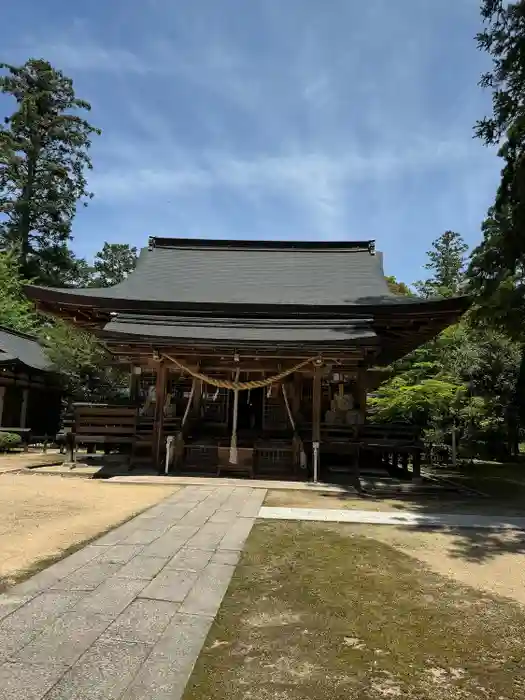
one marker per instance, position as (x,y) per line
(99,299)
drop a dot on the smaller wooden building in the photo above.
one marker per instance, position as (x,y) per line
(30,393)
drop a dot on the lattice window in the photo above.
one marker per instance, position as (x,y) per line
(275,416)
(215,404)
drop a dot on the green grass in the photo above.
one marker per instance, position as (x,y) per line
(315,612)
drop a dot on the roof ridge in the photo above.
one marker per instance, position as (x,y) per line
(244,244)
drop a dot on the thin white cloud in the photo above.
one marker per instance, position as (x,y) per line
(314,182)
(317,119)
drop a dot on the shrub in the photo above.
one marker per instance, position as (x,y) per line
(8,441)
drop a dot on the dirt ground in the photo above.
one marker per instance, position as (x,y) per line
(309,499)
(22,460)
(42,516)
(488,561)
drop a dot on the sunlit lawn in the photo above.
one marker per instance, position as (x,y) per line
(315,611)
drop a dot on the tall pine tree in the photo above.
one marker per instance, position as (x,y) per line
(113,264)
(44,153)
(497,268)
(446,263)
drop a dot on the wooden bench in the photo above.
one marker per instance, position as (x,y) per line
(103,425)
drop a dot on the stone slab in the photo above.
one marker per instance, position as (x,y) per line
(253,504)
(143,536)
(188,559)
(36,584)
(63,641)
(166,671)
(118,533)
(19,628)
(9,603)
(142,621)
(207,594)
(102,673)
(170,542)
(24,681)
(226,556)
(74,561)
(142,567)
(209,536)
(171,585)
(86,578)
(111,597)
(237,534)
(118,553)
(458,520)
(165,519)
(224,516)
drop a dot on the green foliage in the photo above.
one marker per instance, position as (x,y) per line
(9,441)
(85,365)
(398,287)
(113,264)
(415,404)
(16,311)
(446,262)
(43,157)
(466,378)
(496,271)
(79,357)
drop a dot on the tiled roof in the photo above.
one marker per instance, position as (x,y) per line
(267,330)
(23,348)
(253,272)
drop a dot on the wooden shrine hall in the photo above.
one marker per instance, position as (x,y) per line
(252,357)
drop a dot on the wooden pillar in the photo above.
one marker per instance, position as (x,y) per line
(158,423)
(23,408)
(416,466)
(316,422)
(134,384)
(361,392)
(197,399)
(2,395)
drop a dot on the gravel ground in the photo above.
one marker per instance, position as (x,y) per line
(43,516)
(493,562)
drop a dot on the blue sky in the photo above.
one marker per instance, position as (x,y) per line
(290,119)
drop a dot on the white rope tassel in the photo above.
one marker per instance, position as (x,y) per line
(190,400)
(233,443)
(170,440)
(169,453)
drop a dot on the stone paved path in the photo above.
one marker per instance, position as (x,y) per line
(125,618)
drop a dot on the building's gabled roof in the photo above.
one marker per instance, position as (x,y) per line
(22,348)
(186,271)
(269,293)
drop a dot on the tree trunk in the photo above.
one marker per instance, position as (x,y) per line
(516,413)
(25,218)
